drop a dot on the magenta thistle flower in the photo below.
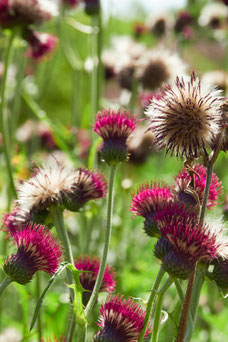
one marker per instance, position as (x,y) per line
(182,182)
(41,45)
(114,127)
(37,250)
(14,221)
(186,119)
(147,97)
(121,321)
(88,279)
(149,199)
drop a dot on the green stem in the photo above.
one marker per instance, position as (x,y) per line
(100,276)
(94,75)
(157,318)
(39,320)
(6,281)
(3,116)
(100,71)
(206,193)
(134,92)
(150,302)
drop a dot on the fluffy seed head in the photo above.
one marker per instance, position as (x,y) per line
(41,45)
(183,179)
(37,250)
(186,118)
(121,320)
(114,127)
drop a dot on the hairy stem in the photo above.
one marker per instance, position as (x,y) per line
(6,281)
(150,302)
(157,318)
(3,116)
(100,276)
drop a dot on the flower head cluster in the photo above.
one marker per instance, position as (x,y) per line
(158,66)
(41,45)
(149,199)
(37,250)
(182,183)
(114,127)
(121,320)
(57,185)
(88,279)
(186,118)
(25,12)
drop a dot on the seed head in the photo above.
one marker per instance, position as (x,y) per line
(121,320)
(186,118)
(88,279)
(183,179)
(41,45)
(37,250)
(114,127)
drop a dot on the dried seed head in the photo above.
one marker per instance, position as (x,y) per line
(37,250)
(114,127)
(121,320)
(186,118)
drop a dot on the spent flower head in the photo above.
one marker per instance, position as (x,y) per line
(114,127)
(37,250)
(121,320)
(186,118)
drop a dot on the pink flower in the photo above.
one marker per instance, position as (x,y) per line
(41,45)
(114,127)
(183,179)
(38,250)
(121,320)
(14,221)
(149,199)
(147,97)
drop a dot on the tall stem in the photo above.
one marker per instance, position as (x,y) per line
(100,276)
(6,281)
(150,302)
(94,76)
(39,320)
(206,193)
(186,306)
(157,318)
(3,116)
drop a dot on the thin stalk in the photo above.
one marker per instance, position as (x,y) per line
(94,75)
(100,276)
(100,71)
(6,281)
(3,116)
(39,320)
(134,92)
(157,318)
(186,306)
(206,193)
(150,302)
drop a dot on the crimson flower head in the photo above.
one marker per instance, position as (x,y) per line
(182,182)
(88,279)
(41,45)
(24,13)
(121,321)
(14,221)
(37,250)
(187,117)
(114,127)
(148,200)
(189,241)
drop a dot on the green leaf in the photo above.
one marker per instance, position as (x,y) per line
(48,287)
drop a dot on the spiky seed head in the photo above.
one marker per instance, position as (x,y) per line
(162,248)
(121,320)
(186,118)
(114,127)
(37,250)
(41,45)
(147,201)
(157,67)
(88,279)
(182,183)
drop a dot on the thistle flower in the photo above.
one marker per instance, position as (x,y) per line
(158,66)
(190,242)
(41,45)
(149,199)
(160,24)
(14,221)
(37,250)
(88,280)
(26,12)
(114,127)
(121,321)
(182,182)
(183,19)
(212,15)
(147,97)
(57,185)
(186,118)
